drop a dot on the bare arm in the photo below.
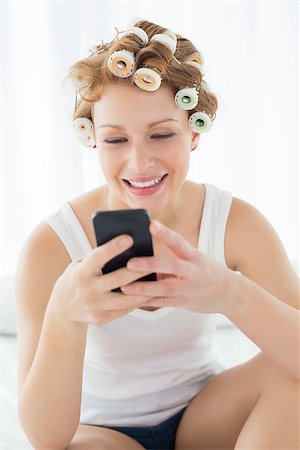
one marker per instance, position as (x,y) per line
(270,323)
(53,385)
(50,351)
(56,300)
(263,302)
(267,292)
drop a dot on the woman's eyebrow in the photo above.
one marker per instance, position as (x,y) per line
(120,127)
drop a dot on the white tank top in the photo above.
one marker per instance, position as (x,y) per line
(144,367)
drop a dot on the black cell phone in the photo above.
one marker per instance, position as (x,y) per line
(135,222)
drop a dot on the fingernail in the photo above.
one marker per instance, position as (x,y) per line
(156,225)
(134,263)
(125,241)
(127,289)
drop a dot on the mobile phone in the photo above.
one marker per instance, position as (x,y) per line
(135,222)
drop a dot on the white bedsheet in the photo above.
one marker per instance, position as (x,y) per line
(232,346)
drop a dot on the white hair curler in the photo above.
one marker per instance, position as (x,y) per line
(195,64)
(138,32)
(147,79)
(165,40)
(200,122)
(134,21)
(121,63)
(198,58)
(171,35)
(83,128)
(87,141)
(187,98)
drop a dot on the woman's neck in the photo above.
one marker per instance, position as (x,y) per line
(168,214)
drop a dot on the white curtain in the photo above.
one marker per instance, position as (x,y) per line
(251,56)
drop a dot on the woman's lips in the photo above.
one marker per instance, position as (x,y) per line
(149,190)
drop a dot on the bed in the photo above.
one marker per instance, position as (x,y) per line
(232,346)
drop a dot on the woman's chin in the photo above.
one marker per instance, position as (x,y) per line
(153,207)
(153,198)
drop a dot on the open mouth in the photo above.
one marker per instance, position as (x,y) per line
(145,184)
(143,188)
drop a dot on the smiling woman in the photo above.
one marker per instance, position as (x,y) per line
(136,369)
(151,156)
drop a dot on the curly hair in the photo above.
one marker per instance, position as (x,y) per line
(91,74)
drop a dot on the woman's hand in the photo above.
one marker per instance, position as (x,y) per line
(81,294)
(188,280)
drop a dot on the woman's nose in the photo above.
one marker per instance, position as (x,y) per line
(139,158)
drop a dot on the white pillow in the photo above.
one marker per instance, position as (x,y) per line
(8,323)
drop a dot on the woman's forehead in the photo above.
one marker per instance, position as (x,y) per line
(124,91)
(123,98)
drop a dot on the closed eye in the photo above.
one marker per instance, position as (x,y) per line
(162,136)
(156,136)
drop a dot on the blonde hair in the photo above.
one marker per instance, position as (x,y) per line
(93,72)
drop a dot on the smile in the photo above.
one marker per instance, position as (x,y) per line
(145,184)
(145,187)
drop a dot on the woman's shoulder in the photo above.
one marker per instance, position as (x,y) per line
(84,206)
(90,199)
(246,231)
(243,216)
(245,224)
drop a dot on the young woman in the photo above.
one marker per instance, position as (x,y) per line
(135,369)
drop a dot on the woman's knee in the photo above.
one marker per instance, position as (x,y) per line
(218,413)
(274,422)
(91,437)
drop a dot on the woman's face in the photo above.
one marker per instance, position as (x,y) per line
(144,143)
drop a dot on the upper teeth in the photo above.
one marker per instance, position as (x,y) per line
(146,184)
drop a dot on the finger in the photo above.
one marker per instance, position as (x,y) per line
(118,301)
(173,240)
(160,264)
(94,261)
(164,302)
(115,314)
(164,288)
(117,278)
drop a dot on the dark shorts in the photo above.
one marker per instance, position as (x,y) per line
(157,437)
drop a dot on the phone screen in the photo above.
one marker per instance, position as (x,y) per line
(134,222)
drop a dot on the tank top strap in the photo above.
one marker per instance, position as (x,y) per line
(216,209)
(211,237)
(68,228)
